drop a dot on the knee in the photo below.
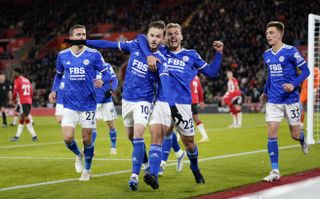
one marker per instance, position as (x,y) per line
(190,146)
(110,125)
(68,140)
(86,141)
(295,136)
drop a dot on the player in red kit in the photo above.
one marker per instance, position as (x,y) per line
(22,95)
(197,99)
(233,100)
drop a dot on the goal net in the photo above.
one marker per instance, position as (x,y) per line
(313,107)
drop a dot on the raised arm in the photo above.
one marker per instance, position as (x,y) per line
(212,70)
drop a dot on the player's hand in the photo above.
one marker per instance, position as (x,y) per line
(52,97)
(75,42)
(98,83)
(288,87)
(202,105)
(263,98)
(108,93)
(19,109)
(218,46)
(176,116)
(152,62)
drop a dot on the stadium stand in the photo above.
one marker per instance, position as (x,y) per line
(239,24)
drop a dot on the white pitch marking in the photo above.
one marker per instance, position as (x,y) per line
(120,137)
(127,171)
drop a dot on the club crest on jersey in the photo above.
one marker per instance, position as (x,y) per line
(281,58)
(185,58)
(86,62)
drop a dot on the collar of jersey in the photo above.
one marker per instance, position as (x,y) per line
(182,49)
(78,55)
(274,53)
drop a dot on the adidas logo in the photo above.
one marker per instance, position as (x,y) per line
(154,155)
(272,153)
(137,53)
(134,160)
(68,63)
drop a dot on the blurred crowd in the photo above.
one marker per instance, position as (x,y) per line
(239,24)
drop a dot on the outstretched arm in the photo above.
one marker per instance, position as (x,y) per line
(212,70)
(94,43)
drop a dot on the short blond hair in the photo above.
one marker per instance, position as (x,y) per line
(277,24)
(173,25)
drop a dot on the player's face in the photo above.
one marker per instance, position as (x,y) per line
(273,35)
(2,78)
(79,34)
(173,37)
(14,74)
(155,38)
(229,75)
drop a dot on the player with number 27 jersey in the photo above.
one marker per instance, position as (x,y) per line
(80,71)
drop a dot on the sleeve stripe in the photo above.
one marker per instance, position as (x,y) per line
(203,66)
(119,46)
(103,70)
(164,74)
(301,64)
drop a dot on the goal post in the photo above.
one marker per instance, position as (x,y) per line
(313,111)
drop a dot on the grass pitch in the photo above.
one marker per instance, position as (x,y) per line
(233,157)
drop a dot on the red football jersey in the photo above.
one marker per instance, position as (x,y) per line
(196,91)
(233,85)
(23,90)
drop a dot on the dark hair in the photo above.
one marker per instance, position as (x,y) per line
(157,24)
(277,24)
(76,27)
(18,71)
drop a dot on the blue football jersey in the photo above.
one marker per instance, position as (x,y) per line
(80,71)
(60,92)
(100,92)
(139,83)
(183,67)
(282,68)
